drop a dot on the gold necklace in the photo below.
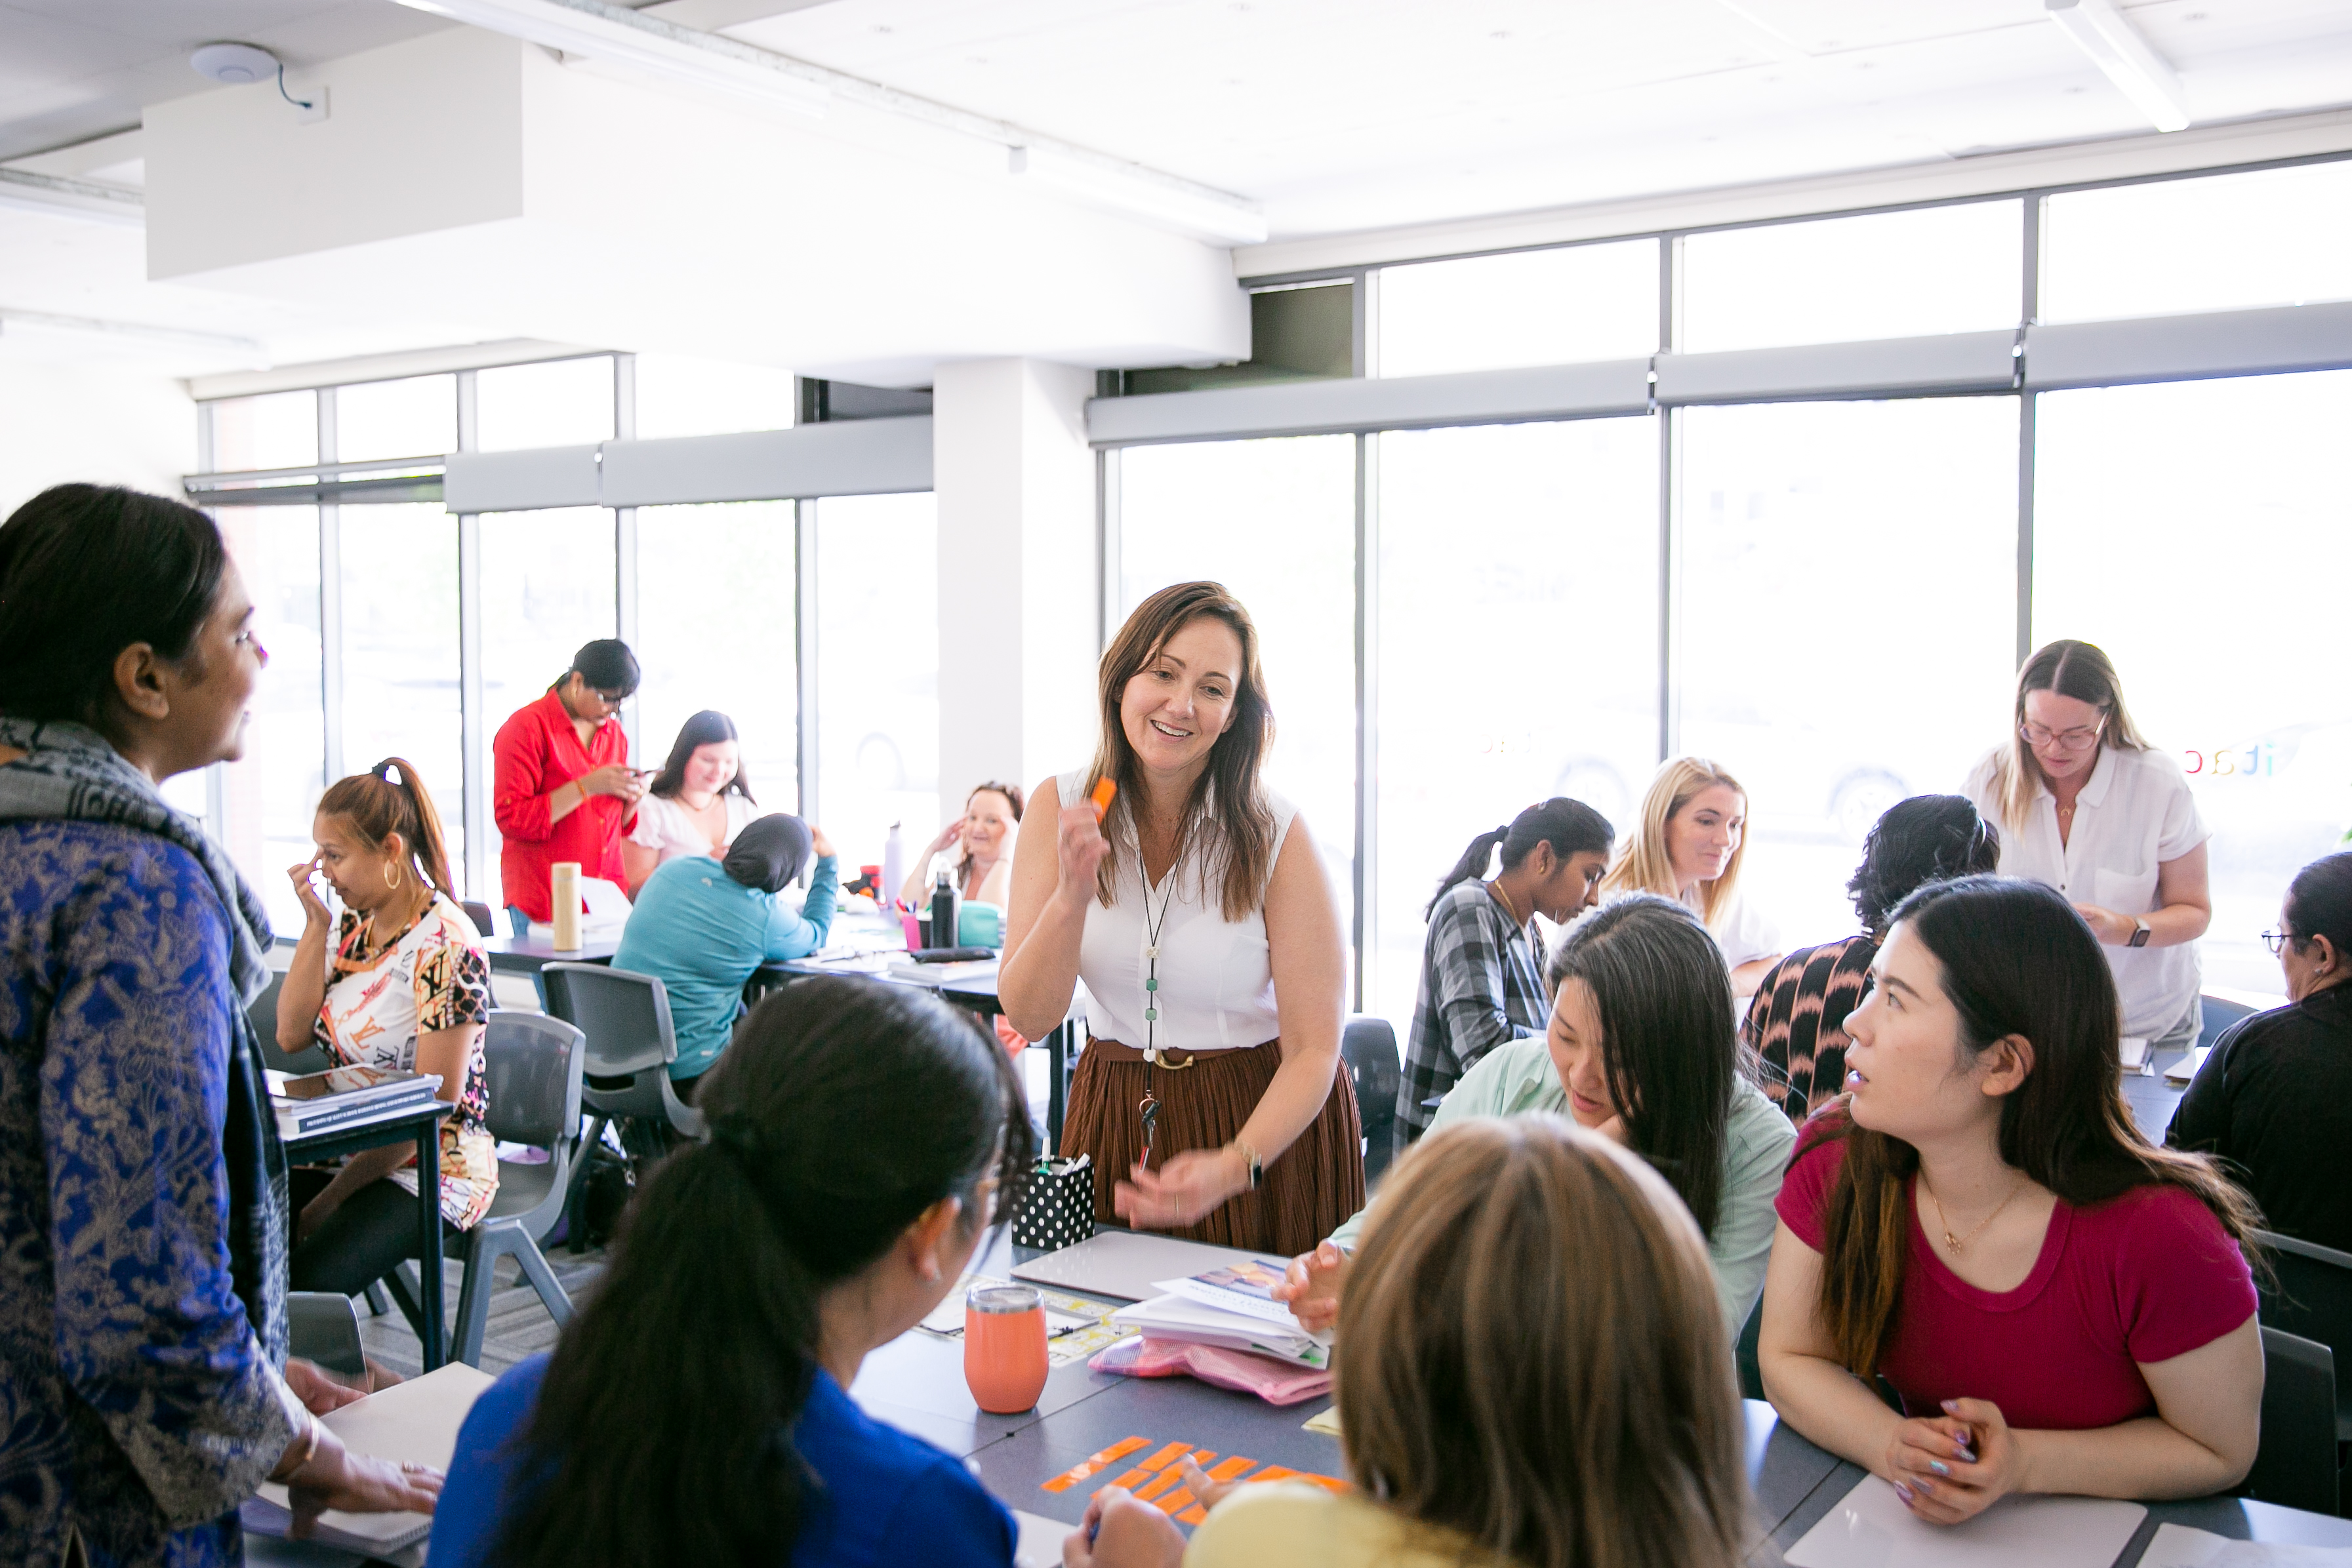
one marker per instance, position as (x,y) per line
(1510,908)
(1956,1242)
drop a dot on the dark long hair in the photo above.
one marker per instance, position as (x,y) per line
(377,807)
(1669,1036)
(662,1432)
(2017,960)
(1228,815)
(2319,903)
(1927,838)
(86,571)
(1569,827)
(706,728)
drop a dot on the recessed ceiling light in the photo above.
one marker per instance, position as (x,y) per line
(236,64)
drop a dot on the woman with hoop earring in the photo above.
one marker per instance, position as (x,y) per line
(400,982)
(1193,905)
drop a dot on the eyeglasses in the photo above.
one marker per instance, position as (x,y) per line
(2276,941)
(2064,739)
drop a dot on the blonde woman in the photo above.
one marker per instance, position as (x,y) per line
(1688,846)
(2085,807)
(1535,1375)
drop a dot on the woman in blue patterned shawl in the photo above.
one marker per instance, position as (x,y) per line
(144,1390)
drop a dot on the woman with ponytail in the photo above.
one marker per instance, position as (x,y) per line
(696,1409)
(2061,1306)
(1482,961)
(400,981)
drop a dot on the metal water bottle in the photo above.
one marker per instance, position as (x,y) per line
(894,870)
(946,911)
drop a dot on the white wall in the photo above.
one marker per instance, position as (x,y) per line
(104,425)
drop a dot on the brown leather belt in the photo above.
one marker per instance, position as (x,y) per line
(1171,1056)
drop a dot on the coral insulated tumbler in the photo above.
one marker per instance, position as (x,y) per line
(1004,1347)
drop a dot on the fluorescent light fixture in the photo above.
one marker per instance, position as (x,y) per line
(2100,31)
(622,37)
(1141,192)
(55,196)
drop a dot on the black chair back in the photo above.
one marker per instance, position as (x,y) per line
(2311,1297)
(479,913)
(262,1013)
(1369,1045)
(325,1328)
(1743,1355)
(531,1065)
(2295,1466)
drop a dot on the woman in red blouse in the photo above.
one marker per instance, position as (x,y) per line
(2062,1306)
(561,788)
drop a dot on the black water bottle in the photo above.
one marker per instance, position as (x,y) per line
(946,911)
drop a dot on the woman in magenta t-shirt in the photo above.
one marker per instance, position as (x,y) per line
(2063,1307)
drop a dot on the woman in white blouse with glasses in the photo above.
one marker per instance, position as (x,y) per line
(2086,806)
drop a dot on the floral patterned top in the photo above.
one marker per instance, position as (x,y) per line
(433,976)
(138,1400)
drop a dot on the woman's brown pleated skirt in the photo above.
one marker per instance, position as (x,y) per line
(1308,1190)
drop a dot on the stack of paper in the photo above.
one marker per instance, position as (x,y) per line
(414,1422)
(2185,1071)
(1232,1307)
(322,1102)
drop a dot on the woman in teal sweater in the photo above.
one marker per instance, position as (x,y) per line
(701,926)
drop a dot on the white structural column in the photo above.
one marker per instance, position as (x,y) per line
(1015,484)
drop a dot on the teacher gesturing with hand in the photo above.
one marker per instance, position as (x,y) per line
(1193,905)
(2086,806)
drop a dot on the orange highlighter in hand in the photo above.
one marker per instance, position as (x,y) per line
(1105,793)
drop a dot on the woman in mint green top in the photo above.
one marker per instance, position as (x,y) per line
(701,927)
(1644,1047)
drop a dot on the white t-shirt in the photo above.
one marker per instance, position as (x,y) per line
(2135,812)
(1744,931)
(1216,976)
(663,824)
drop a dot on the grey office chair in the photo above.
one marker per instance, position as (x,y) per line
(322,1327)
(262,1013)
(2311,1297)
(1369,1044)
(479,913)
(2218,1013)
(532,1074)
(2295,1465)
(631,1043)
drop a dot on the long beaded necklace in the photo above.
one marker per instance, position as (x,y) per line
(1152,926)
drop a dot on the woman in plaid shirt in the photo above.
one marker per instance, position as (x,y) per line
(1483,959)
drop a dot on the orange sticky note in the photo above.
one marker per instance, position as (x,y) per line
(1105,793)
(1165,1457)
(1180,1497)
(1094,1463)
(1231,1469)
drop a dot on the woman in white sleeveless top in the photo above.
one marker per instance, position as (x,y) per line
(1197,912)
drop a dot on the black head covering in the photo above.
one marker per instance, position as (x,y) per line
(769,851)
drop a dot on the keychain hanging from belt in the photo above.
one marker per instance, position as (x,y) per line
(1153,928)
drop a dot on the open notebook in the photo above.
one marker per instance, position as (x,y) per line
(416,1421)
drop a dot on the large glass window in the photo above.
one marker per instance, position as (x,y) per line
(1518,639)
(717,629)
(1883,274)
(2227,650)
(401,691)
(417,417)
(680,396)
(1275,522)
(548,587)
(1847,625)
(878,561)
(2274,237)
(557,402)
(269,798)
(278,430)
(1530,307)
